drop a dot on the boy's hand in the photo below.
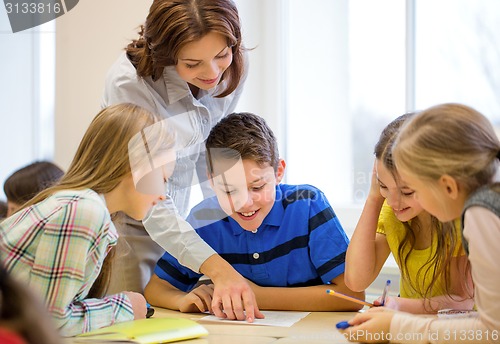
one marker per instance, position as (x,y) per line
(197,300)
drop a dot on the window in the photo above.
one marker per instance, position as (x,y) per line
(354,65)
(457,53)
(27,96)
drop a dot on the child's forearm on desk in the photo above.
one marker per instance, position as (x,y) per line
(310,299)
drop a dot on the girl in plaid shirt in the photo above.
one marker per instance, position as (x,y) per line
(61,242)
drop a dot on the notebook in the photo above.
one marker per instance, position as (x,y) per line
(145,331)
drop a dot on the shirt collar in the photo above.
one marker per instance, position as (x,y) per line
(177,88)
(275,216)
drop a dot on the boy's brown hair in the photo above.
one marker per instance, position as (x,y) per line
(242,135)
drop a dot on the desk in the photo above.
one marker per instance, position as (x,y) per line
(316,328)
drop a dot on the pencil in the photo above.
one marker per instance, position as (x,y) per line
(349,298)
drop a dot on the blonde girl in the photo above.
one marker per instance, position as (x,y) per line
(429,253)
(449,156)
(60,244)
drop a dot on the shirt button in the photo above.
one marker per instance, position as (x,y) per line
(204,120)
(256,256)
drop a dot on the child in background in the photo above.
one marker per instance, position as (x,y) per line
(449,156)
(60,243)
(22,319)
(277,236)
(29,180)
(429,253)
(3,210)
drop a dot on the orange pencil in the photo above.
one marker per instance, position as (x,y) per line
(349,298)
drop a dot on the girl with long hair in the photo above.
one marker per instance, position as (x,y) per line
(429,253)
(449,156)
(61,242)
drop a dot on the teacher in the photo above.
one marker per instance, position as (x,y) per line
(188,65)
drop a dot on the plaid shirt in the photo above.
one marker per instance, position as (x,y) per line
(57,247)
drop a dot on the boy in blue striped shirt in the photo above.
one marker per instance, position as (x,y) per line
(285,239)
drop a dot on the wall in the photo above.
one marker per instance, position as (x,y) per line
(88,40)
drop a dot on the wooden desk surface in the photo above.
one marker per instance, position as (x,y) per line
(316,328)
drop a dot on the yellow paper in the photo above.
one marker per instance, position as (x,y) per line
(147,331)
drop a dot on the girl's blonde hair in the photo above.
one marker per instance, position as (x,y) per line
(451,139)
(101,162)
(102,158)
(439,263)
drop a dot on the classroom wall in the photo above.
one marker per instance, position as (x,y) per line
(88,39)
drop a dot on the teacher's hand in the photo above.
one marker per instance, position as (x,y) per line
(233,297)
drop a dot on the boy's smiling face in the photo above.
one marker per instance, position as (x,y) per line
(246,191)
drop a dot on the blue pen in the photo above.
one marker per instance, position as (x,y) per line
(343,325)
(386,291)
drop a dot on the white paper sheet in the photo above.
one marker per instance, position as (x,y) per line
(272,318)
